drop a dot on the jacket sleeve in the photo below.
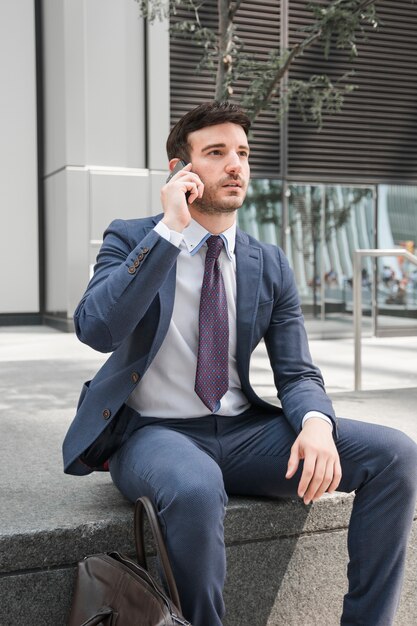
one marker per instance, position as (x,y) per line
(298,381)
(127,278)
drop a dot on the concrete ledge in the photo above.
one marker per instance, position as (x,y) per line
(286,564)
(286,561)
(272,546)
(248,520)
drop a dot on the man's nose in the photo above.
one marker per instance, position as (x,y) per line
(233,165)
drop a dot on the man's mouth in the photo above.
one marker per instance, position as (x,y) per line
(233,184)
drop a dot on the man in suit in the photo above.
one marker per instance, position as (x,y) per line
(181,300)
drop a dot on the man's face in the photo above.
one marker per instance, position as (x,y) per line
(220,156)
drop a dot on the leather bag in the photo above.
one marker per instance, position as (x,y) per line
(113,590)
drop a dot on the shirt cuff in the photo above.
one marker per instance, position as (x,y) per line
(311,414)
(170,235)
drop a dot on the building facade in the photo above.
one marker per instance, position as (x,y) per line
(89,92)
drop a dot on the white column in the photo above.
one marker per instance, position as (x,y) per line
(19,254)
(95,134)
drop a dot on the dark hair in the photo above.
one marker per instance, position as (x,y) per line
(206,114)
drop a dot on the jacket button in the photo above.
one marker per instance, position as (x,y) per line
(106,414)
(136,263)
(132,269)
(140,256)
(145,250)
(134,377)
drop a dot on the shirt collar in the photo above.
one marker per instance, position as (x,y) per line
(196,235)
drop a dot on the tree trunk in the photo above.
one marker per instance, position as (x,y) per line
(225,58)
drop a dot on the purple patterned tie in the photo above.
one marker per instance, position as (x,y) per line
(212,377)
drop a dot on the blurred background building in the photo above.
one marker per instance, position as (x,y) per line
(89,91)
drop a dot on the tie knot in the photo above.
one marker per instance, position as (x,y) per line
(214,246)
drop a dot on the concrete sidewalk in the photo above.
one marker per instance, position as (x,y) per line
(387,363)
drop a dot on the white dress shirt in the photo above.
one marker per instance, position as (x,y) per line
(167,389)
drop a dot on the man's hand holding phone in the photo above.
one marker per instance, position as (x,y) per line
(182,187)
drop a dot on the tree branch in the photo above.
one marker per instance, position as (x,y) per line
(232,12)
(298,50)
(335,22)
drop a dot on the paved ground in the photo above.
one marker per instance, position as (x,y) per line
(42,368)
(389,362)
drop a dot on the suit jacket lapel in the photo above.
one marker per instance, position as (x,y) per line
(249,263)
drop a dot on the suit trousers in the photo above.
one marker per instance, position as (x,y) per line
(188,467)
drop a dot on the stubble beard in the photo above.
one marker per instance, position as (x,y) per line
(210,205)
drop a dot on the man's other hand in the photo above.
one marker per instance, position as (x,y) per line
(321,471)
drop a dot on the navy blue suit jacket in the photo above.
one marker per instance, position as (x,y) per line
(127,308)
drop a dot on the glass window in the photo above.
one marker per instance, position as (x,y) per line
(261,214)
(326,224)
(397,277)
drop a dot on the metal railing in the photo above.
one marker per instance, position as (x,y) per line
(357,300)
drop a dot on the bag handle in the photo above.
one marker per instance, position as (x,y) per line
(144,505)
(98,618)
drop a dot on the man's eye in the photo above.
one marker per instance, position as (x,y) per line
(215,152)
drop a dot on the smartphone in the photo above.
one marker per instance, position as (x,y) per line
(176,169)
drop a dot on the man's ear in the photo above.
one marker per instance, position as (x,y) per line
(173,163)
